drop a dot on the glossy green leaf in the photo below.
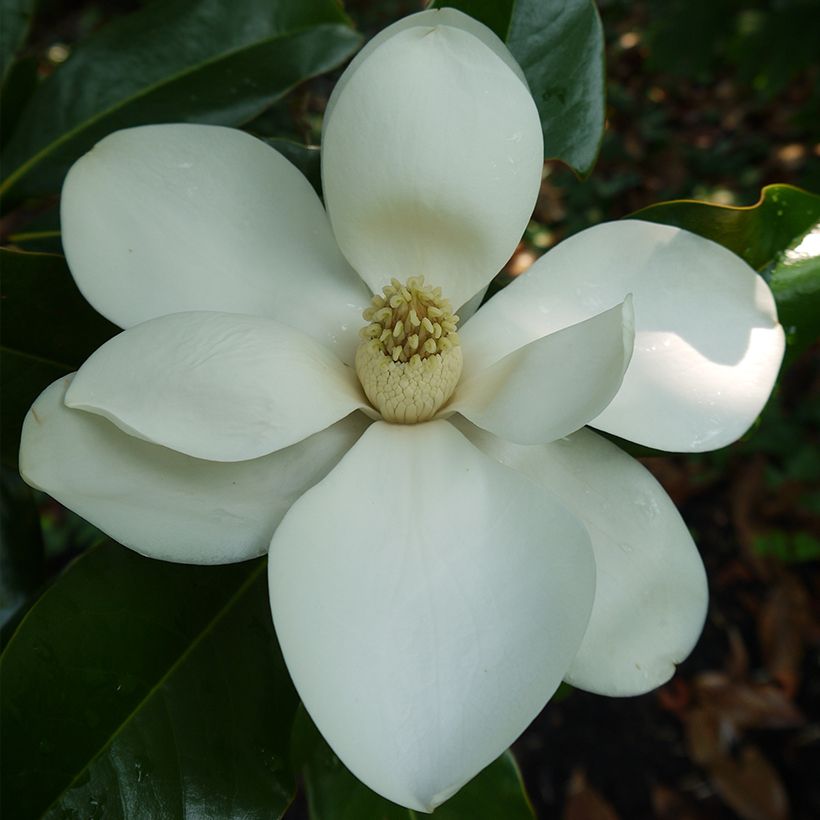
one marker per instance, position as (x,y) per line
(758,233)
(48,330)
(21,547)
(183,60)
(137,688)
(15,21)
(335,794)
(18,86)
(23,379)
(560,46)
(779,235)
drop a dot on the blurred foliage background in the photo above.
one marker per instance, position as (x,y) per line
(707,99)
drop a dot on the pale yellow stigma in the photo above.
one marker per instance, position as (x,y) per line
(409,360)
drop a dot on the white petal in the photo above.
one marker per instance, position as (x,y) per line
(431,161)
(553,386)
(707,343)
(424,616)
(169,218)
(216,385)
(651,593)
(428,19)
(161,503)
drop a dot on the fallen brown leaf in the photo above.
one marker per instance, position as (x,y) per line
(747,705)
(669,804)
(782,628)
(750,785)
(703,738)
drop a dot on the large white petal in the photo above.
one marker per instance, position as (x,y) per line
(651,593)
(168,218)
(164,504)
(553,386)
(429,18)
(428,600)
(707,342)
(431,161)
(216,385)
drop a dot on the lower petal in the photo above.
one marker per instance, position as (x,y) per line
(424,615)
(651,593)
(164,504)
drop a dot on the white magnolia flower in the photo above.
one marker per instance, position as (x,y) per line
(440,579)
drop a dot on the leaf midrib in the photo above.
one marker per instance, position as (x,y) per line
(52,146)
(44,360)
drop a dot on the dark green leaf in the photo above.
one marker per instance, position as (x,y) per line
(779,235)
(794,278)
(21,546)
(757,233)
(19,85)
(48,330)
(23,379)
(560,47)
(178,61)
(44,314)
(15,22)
(137,688)
(335,794)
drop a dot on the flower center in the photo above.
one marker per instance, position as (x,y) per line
(409,360)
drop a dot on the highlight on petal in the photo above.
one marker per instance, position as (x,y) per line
(217,386)
(427,600)
(164,504)
(169,218)
(553,386)
(707,342)
(651,594)
(431,159)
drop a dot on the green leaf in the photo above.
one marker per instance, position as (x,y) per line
(179,61)
(779,235)
(15,22)
(335,794)
(560,46)
(18,86)
(21,547)
(794,278)
(48,330)
(137,688)
(757,233)
(45,315)
(23,379)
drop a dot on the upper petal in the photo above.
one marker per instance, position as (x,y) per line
(554,385)
(216,385)
(164,504)
(428,18)
(168,218)
(651,593)
(707,342)
(424,614)
(431,160)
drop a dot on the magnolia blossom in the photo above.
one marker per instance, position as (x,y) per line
(448,540)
